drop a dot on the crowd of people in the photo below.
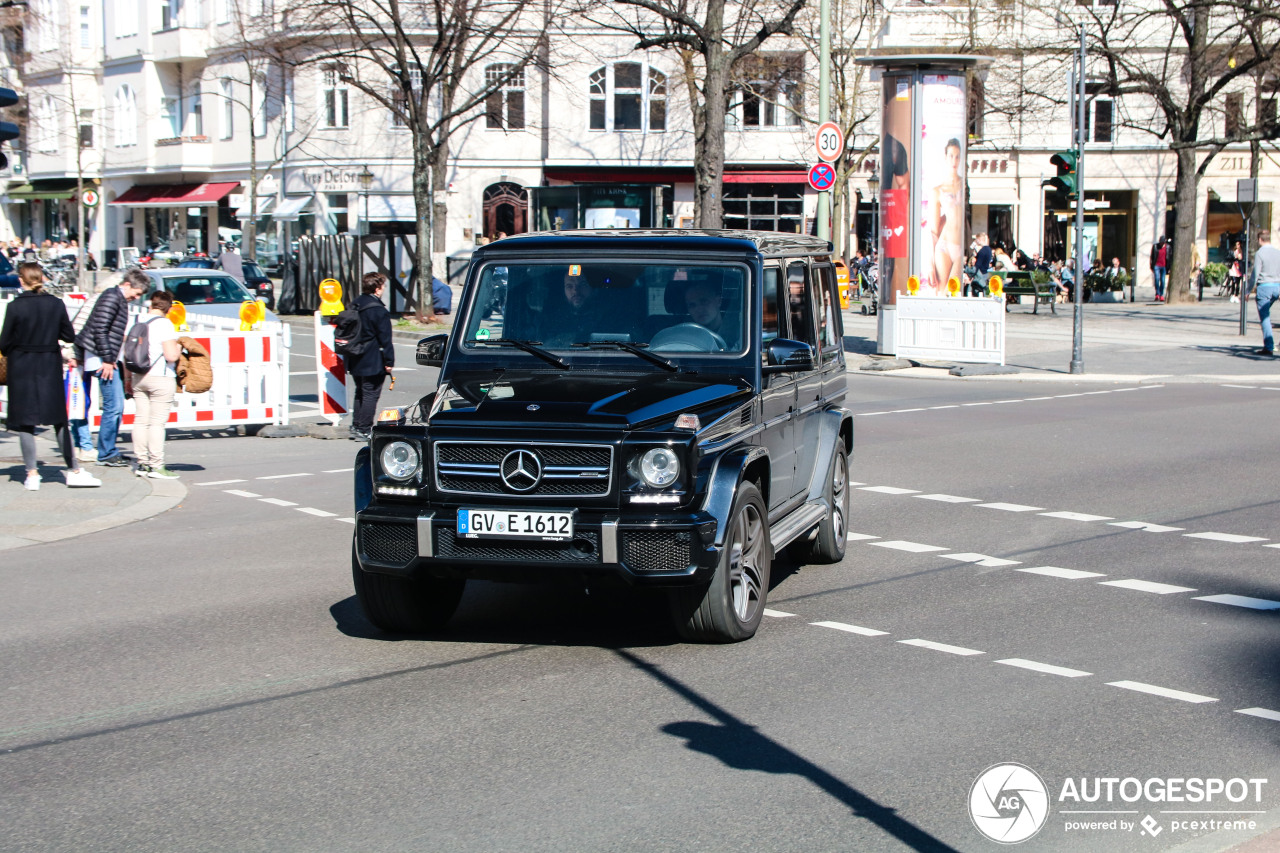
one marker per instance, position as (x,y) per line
(47,251)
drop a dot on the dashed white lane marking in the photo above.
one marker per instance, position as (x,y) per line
(310,510)
(1225,537)
(1161,691)
(1241,601)
(277,502)
(981,559)
(851,629)
(934,408)
(976,404)
(941,647)
(1047,668)
(337,471)
(777,614)
(913,547)
(1068,574)
(1276,545)
(1011,507)
(1077,516)
(1037,399)
(1264,713)
(1148,586)
(348,520)
(950,499)
(242,494)
(1146,525)
(888,490)
(283,476)
(220,483)
(859,537)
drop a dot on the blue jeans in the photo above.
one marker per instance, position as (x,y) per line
(81,436)
(1160,273)
(112,393)
(1267,294)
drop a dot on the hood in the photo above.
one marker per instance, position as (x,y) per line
(619,401)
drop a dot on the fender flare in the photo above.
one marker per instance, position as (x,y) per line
(830,426)
(363,472)
(722,487)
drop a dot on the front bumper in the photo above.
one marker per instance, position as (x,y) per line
(675,550)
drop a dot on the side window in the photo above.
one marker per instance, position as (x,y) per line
(828,318)
(800,300)
(771,328)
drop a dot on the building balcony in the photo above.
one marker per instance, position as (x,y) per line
(180,44)
(184,154)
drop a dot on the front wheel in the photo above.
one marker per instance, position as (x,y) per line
(405,605)
(730,608)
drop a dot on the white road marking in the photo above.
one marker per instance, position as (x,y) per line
(851,629)
(1264,713)
(1046,668)
(1077,516)
(934,408)
(1037,399)
(277,502)
(888,490)
(1011,507)
(852,484)
(869,414)
(283,476)
(1068,574)
(941,647)
(220,483)
(1246,387)
(913,547)
(981,560)
(348,520)
(1241,601)
(950,499)
(1277,545)
(309,510)
(1161,691)
(975,404)
(900,411)
(240,494)
(1225,537)
(1065,396)
(998,402)
(1148,586)
(337,471)
(777,614)
(859,537)
(1145,525)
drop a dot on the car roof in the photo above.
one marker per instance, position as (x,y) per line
(660,240)
(172,272)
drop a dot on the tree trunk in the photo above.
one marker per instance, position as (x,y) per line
(249,233)
(1178,288)
(423,162)
(708,145)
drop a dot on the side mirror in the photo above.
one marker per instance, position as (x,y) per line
(431,350)
(786,356)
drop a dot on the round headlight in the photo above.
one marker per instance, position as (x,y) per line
(659,467)
(399,460)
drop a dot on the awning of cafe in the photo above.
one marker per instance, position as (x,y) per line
(291,208)
(175,195)
(55,189)
(391,208)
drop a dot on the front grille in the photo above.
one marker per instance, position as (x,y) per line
(391,544)
(568,470)
(656,550)
(584,548)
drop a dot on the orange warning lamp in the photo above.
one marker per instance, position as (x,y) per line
(953,286)
(177,315)
(995,285)
(251,313)
(913,285)
(330,297)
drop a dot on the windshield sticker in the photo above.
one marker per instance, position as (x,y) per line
(575,269)
(482,334)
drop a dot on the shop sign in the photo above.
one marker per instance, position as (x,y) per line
(331,180)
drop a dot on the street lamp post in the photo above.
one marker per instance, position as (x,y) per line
(873,185)
(366,180)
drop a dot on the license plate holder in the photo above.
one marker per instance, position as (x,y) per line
(528,525)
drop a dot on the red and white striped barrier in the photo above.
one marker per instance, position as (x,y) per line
(331,374)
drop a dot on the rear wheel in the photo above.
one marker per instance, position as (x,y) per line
(405,605)
(833,532)
(730,608)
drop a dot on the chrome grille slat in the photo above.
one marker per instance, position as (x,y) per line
(568,469)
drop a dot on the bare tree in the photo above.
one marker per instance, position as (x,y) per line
(712,37)
(422,61)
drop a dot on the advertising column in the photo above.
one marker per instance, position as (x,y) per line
(895,188)
(941,245)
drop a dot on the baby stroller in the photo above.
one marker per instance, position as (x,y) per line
(868,293)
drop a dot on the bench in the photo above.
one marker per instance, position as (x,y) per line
(1019,283)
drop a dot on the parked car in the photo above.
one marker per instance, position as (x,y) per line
(661,408)
(210,292)
(253,277)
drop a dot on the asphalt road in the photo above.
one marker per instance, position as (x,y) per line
(205,681)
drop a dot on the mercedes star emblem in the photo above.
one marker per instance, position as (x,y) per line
(533,407)
(521,470)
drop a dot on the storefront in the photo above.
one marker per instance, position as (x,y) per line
(642,204)
(181,217)
(51,213)
(1110,221)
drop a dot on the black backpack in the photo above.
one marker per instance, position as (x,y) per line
(348,333)
(136,352)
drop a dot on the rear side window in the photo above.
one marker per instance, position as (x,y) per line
(800,301)
(772,327)
(828,319)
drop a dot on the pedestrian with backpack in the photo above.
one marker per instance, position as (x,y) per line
(368,352)
(151,352)
(98,344)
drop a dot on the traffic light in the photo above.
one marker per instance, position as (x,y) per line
(1065,182)
(8,130)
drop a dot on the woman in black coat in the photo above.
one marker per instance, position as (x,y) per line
(34,322)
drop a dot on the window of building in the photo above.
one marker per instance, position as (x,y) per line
(765,207)
(1267,114)
(168,14)
(126,117)
(771,90)
(1102,120)
(504,107)
(977,106)
(228,108)
(258,96)
(44,13)
(289,99)
(628,96)
(400,98)
(171,114)
(335,98)
(86,128)
(1234,113)
(125,18)
(46,122)
(86,27)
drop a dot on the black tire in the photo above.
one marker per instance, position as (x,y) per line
(833,531)
(730,608)
(405,606)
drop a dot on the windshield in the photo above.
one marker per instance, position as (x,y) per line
(665,308)
(207,289)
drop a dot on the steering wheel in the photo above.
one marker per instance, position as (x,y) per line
(687,337)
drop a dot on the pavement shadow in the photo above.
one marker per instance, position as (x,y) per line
(740,746)
(858,344)
(1247,353)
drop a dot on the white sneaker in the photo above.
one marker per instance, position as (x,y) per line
(81,479)
(32,483)
(86,455)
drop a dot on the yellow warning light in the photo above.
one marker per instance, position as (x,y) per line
(953,286)
(913,285)
(996,285)
(177,315)
(330,297)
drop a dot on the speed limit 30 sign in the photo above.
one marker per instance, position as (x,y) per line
(830,141)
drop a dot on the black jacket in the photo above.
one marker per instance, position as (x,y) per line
(375,327)
(33,325)
(103,334)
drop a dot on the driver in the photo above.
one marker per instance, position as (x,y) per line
(704,302)
(575,318)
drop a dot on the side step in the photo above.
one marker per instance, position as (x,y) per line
(796,524)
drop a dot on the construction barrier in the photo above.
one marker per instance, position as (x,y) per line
(331,373)
(950,328)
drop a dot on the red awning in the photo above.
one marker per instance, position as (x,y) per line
(175,195)
(766,177)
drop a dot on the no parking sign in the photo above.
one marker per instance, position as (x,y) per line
(822,176)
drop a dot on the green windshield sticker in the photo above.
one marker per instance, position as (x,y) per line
(482,334)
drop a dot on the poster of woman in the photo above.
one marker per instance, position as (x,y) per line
(895,186)
(942,138)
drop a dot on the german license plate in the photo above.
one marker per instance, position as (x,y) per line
(506,524)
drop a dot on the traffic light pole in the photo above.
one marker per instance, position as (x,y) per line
(1077,340)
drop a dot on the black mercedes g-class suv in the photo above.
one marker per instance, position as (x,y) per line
(659,406)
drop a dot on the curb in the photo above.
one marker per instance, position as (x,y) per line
(165,495)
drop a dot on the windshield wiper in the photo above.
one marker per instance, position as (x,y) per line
(627,346)
(531,347)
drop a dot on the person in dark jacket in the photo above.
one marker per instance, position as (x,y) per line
(372,366)
(99,344)
(33,324)
(441,297)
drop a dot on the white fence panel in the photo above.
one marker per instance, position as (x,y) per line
(950,328)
